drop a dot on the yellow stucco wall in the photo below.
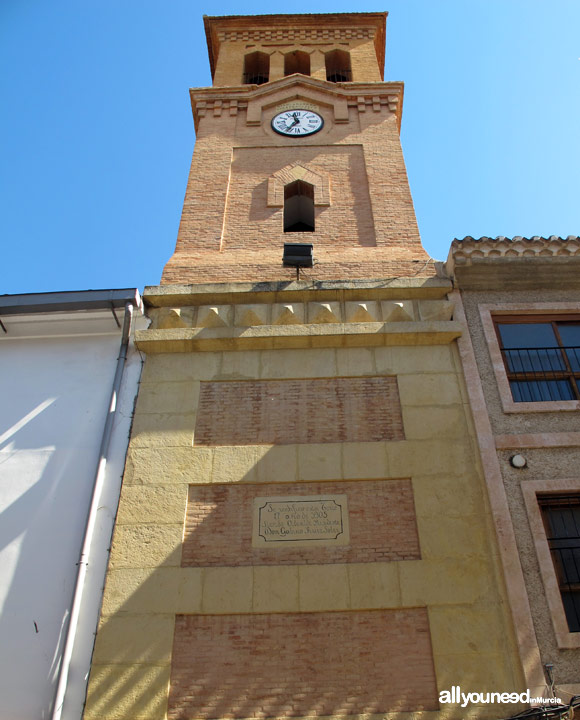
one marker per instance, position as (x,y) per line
(458,577)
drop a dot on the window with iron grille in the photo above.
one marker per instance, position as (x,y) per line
(338,67)
(561,515)
(541,357)
(256,68)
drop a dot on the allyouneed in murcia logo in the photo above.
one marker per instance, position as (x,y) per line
(455,696)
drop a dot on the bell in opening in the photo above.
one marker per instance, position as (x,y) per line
(338,66)
(299,207)
(256,68)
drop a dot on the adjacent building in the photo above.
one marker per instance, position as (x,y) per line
(520,300)
(304,526)
(69,374)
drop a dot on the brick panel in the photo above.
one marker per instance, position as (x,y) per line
(251,224)
(282,412)
(275,665)
(218,525)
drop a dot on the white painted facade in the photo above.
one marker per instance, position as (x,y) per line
(56,377)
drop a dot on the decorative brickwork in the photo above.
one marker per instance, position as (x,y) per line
(283,412)
(296,34)
(218,524)
(289,174)
(251,224)
(312,664)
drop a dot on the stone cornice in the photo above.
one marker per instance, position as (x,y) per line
(251,98)
(515,263)
(158,296)
(297,336)
(286,319)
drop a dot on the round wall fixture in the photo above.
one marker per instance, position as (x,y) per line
(518,461)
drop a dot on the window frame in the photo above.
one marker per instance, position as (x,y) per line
(549,504)
(532,312)
(533,491)
(566,373)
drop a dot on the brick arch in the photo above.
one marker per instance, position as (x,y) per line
(296,171)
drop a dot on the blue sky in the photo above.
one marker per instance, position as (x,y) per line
(97,131)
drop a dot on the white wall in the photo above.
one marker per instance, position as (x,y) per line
(54,396)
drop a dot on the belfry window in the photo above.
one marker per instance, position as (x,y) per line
(299,207)
(297,61)
(338,67)
(256,68)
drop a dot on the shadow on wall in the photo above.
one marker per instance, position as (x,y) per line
(41,525)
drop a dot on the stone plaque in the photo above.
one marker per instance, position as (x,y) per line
(300,520)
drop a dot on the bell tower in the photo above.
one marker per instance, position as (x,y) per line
(340,165)
(302,530)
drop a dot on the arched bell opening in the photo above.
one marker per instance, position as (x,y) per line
(297,61)
(338,68)
(256,68)
(299,207)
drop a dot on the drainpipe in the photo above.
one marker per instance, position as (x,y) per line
(91,520)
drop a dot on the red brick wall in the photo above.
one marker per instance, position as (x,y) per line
(282,412)
(251,225)
(341,663)
(218,525)
(229,234)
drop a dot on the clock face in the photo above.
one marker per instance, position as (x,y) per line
(297,123)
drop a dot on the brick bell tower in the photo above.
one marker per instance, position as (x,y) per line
(341,165)
(302,530)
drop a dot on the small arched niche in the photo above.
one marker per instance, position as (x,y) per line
(297,61)
(256,68)
(338,68)
(298,207)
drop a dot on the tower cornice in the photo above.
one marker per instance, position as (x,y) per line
(362,95)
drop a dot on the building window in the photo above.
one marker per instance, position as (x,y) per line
(256,68)
(297,62)
(338,66)
(299,207)
(561,516)
(541,357)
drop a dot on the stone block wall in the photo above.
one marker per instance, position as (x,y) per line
(194,609)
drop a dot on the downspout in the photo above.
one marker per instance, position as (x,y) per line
(98,484)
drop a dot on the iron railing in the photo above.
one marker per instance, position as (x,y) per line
(540,374)
(255,78)
(339,75)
